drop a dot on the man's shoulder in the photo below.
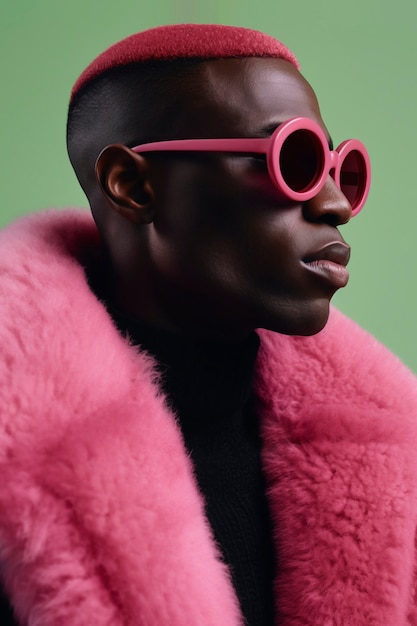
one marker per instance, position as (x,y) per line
(48,230)
(343,365)
(47,304)
(342,347)
(44,254)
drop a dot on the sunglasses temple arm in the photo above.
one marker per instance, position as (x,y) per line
(206,145)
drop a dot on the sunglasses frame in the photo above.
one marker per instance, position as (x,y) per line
(331,160)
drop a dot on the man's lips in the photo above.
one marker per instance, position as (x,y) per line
(328,263)
(336,251)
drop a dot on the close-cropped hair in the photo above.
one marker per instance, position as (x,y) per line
(185,41)
(130,104)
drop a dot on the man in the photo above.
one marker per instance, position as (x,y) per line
(162,462)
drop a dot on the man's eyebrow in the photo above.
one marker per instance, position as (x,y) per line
(266,131)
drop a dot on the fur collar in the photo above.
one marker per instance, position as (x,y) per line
(100,518)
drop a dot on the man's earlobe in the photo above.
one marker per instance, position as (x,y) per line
(123,179)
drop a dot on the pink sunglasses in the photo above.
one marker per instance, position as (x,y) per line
(298,159)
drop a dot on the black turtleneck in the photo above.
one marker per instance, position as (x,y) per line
(209,387)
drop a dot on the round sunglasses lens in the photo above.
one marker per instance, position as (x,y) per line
(301,160)
(352,177)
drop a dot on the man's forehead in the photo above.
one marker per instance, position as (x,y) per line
(247,97)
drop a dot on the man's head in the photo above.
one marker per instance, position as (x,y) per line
(201,241)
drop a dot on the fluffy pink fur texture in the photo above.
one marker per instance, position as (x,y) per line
(101,521)
(185,41)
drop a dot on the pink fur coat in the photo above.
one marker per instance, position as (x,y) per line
(101,522)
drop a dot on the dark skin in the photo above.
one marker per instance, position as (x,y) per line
(200,243)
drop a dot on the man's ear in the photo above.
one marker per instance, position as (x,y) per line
(123,177)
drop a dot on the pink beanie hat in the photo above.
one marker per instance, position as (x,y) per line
(185,41)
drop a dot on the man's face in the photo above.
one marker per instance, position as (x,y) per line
(227,254)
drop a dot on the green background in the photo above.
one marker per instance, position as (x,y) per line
(360,57)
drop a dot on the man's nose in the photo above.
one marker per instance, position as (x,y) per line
(329,205)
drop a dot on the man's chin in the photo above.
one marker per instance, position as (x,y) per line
(306,322)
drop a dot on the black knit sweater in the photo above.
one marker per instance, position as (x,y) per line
(209,387)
